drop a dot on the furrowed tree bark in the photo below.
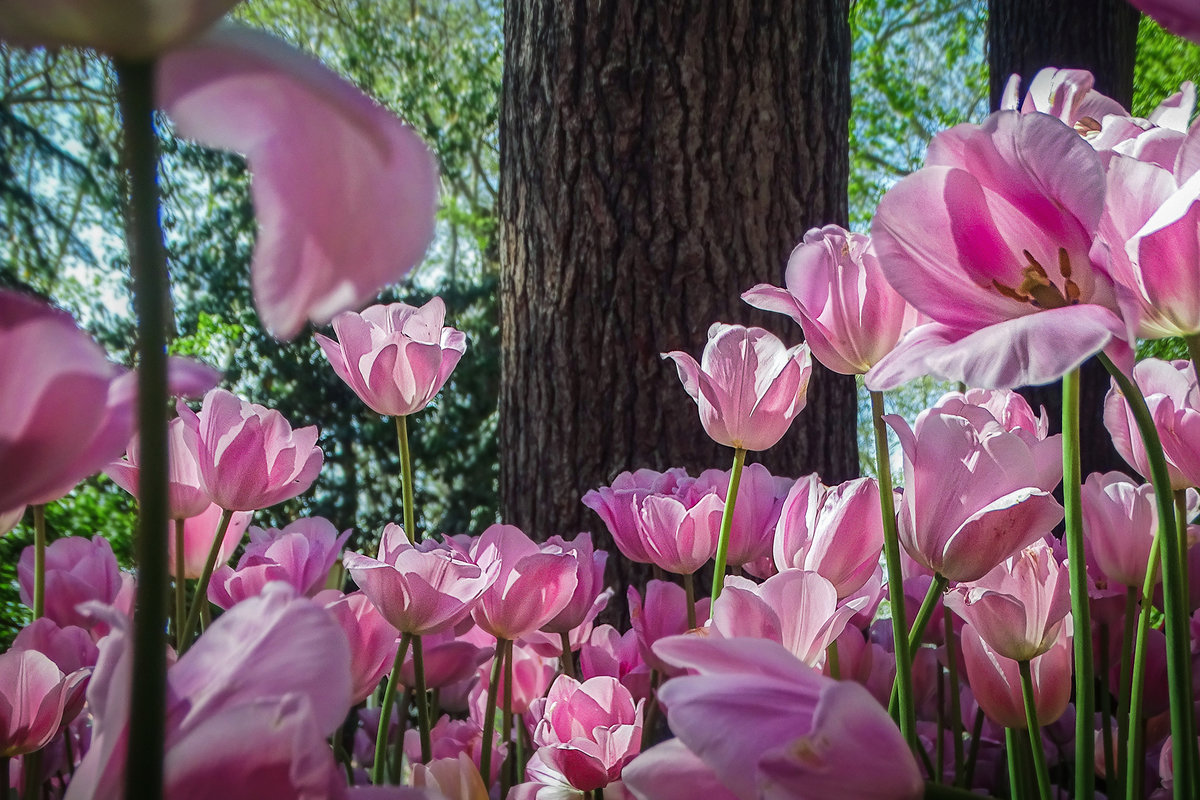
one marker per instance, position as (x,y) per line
(658,158)
(1100,36)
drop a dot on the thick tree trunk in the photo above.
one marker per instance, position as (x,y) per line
(658,158)
(1097,35)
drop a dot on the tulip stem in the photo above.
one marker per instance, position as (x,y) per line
(831,658)
(489,715)
(201,597)
(421,696)
(689,589)
(567,661)
(1106,731)
(895,577)
(406,472)
(650,720)
(180,583)
(32,767)
(1134,754)
(1035,732)
(956,725)
(1175,602)
(968,775)
(379,766)
(151,293)
(939,791)
(1085,676)
(1117,777)
(925,613)
(507,717)
(735,478)
(1193,346)
(1181,525)
(39,561)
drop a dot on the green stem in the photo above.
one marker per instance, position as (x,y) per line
(567,661)
(1117,778)
(39,561)
(735,479)
(651,717)
(940,742)
(506,717)
(689,589)
(32,765)
(968,776)
(489,715)
(917,632)
(379,766)
(180,584)
(401,733)
(831,655)
(1179,677)
(147,258)
(201,597)
(955,700)
(1193,347)
(406,470)
(1012,751)
(1135,754)
(1106,731)
(1181,524)
(940,791)
(1035,733)
(1085,678)
(422,699)
(906,707)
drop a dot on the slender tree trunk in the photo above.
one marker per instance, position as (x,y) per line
(1100,36)
(658,158)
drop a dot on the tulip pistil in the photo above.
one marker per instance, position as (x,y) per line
(1037,289)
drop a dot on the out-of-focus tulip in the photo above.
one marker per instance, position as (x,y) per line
(250,457)
(395,357)
(663,614)
(1019,607)
(974,492)
(670,771)
(1181,17)
(996,680)
(748,385)
(1119,521)
(453,778)
(361,213)
(423,588)
(1173,399)
(38,698)
(796,608)
(185,495)
(616,505)
(373,641)
(771,727)
(836,292)
(78,569)
(836,531)
(991,240)
(532,675)
(589,586)
(69,647)
(198,534)
(532,587)
(300,555)
(9,519)
(129,29)
(759,500)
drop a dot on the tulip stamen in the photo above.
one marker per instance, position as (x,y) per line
(1037,289)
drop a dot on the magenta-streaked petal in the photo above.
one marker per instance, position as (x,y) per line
(355,218)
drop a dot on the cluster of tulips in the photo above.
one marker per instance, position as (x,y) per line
(943,639)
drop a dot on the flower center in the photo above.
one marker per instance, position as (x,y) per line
(1036,287)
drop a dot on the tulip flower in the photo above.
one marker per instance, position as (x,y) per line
(38,700)
(590,595)
(420,589)
(300,555)
(760,498)
(250,457)
(615,505)
(748,386)
(836,292)
(453,778)
(373,641)
(185,494)
(70,647)
(77,570)
(1173,399)
(771,727)
(1018,608)
(394,357)
(448,660)
(533,584)
(198,534)
(1119,520)
(835,531)
(670,771)
(1065,94)
(1181,17)
(609,652)
(974,492)
(998,256)
(996,682)
(679,537)
(1010,409)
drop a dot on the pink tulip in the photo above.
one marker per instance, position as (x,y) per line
(134,30)
(454,737)
(679,535)
(1174,401)
(759,501)
(772,728)
(70,647)
(38,699)
(836,292)
(1066,94)
(373,641)
(198,534)
(609,652)
(796,608)
(587,732)
(590,596)
(10,519)
(300,555)
(1181,17)
(835,531)
(70,413)
(185,495)
(77,570)
(1010,409)
(1119,521)
(670,771)
(996,680)
(355,219)
(664,614)
(251,678)
(748,386)
(532,675)
(532,586)
(250,457)
(394,357)
(974,492)
(420,589)
(1019,607)
(452,778)
(615,505)
(448,660)
(998,256)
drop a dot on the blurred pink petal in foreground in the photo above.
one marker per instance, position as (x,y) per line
(344,193)
(1181,17)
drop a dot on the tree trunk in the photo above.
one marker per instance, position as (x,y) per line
(658,158)
(1097,35)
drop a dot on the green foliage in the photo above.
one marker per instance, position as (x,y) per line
(1163,62)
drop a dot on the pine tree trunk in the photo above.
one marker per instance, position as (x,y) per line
(658,158)
(1100,36)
